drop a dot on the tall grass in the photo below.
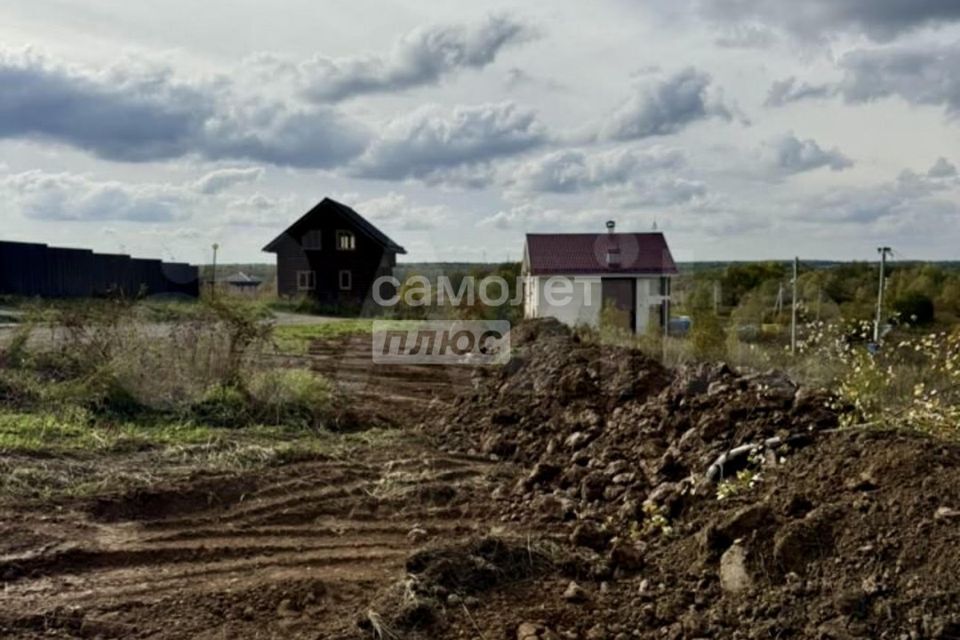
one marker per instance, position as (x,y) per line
(103,358)
(911,380)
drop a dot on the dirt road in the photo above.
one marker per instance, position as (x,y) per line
(294,552)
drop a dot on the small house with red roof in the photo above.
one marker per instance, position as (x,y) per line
(621,279)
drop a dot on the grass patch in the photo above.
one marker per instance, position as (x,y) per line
(49,456)
(296,339)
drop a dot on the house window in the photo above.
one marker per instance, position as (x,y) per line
(311,240)
(346,241)
(346,280)
(306,280)
(664,286)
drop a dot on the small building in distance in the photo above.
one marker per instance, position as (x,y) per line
(621,279)
(334,255)
(242,283)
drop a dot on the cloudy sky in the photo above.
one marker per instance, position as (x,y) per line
(742,128)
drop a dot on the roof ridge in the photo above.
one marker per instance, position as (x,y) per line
(362,223)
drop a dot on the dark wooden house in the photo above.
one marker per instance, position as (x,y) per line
(333,254)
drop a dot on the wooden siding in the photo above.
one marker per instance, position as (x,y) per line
(368,261)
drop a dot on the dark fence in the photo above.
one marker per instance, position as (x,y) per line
(38,270)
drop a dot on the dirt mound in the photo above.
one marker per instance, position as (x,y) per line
(448,578)
(825,533)
(603,430)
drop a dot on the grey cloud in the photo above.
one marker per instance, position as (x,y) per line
(788,90)
(422,57)
(880,20)
(942,168)
(666,107)
(920,75)
(745,36)
(574,170)
(432,143)
(222,179)
(792,155)
(135,115)
(312,137)
(518,78)
(116,115)
(907,195)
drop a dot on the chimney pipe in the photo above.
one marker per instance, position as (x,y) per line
(613,251)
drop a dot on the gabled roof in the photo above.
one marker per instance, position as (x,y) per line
(587,253)
(241,278)
(358,221)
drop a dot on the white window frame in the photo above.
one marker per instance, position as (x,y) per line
(312,247)
(349,285)
(351,244)
(306,280)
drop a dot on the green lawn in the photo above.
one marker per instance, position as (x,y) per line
(296,339)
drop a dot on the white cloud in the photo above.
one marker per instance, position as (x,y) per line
(576,170)
(395,211)
(264,211)
(65,196)
(223,179)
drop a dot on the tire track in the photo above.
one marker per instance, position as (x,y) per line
(196,560)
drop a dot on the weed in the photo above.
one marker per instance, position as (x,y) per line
(742,482)
(656,520)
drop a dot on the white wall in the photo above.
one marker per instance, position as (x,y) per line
(648,303)
(574,300)
(586,300)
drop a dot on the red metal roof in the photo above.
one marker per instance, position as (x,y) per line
(587,253)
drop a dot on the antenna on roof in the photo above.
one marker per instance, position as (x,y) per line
(611,225)
(654,224)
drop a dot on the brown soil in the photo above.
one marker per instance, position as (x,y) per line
(561,496)
(295,554)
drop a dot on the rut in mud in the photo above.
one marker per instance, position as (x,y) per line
(292,552)
(288,554)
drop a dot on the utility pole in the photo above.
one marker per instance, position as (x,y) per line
(883,251)
(793,308)
(213,284)
(716,297)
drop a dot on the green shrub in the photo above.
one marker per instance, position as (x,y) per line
(914,308)
(18,389)
(707,337)
(15,352)
(290,397)
(223,406)
(101,393)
